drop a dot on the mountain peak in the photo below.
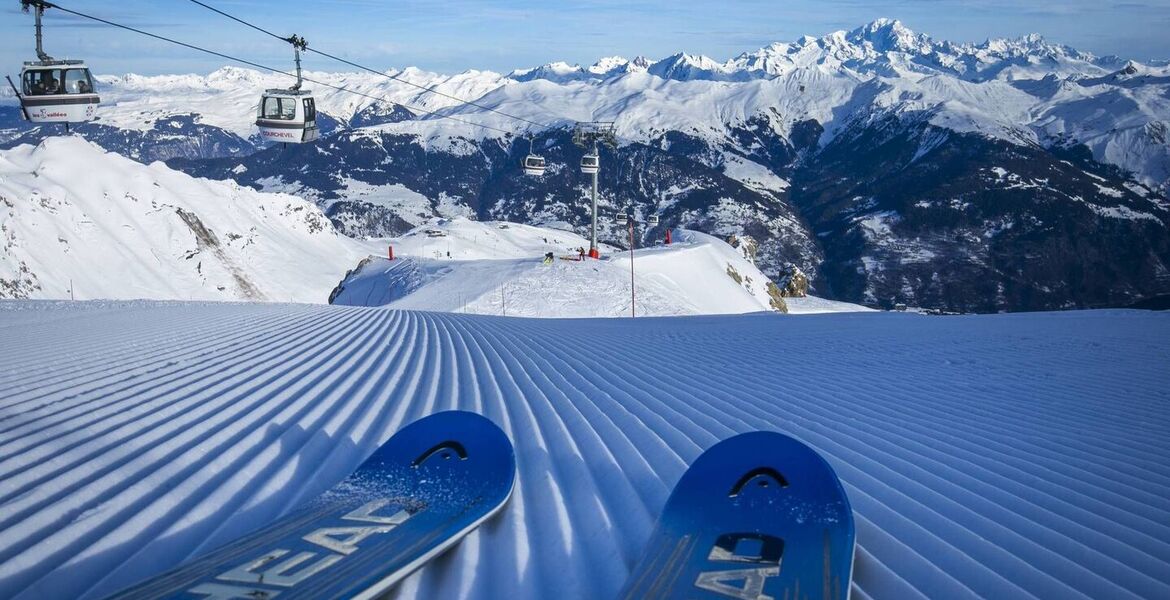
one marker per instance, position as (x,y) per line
(889,35)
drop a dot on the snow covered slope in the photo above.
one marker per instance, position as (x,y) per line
(498,268)
(974,157)
(75,220)
(1009,456)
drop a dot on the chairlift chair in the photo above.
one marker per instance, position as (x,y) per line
(55,91)
(590,164)
(289,115)
(534,165)
(58,91)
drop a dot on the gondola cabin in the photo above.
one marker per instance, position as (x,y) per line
(58,91)
(288,115)
(590,163)
(534,165)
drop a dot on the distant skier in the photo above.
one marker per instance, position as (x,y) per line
(580,253)
(548,258)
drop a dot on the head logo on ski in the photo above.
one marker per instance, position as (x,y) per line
(426,488)
(759,516)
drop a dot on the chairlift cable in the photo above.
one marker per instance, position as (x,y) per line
(274,70)
(375,71)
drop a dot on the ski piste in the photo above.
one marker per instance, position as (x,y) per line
(423,490)
(758,516)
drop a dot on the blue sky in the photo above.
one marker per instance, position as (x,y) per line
(454,35)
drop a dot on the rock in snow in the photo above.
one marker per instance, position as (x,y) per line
(80,222)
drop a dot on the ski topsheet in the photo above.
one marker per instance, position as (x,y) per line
(419,494)
(757,516)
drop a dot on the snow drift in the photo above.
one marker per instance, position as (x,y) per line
(1006,456)
(78,221)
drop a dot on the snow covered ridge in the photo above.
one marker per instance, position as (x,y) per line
(1009,456)
(1027,91)
(498,268)
(869,49)
(76,221)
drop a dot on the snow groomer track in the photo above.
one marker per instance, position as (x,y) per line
(993,456)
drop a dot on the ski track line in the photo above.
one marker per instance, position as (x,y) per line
(621,456)
(122,411)
(41,345)
(939,526)
(860,456)
(192,487)
(170,372)
(972,458)
(531,456)
(171,447)
(577,468)
(513,524)
(552,462)
(348,406)
(1011,456)
(95,475)
(198,320)
(191,346)
(37,352)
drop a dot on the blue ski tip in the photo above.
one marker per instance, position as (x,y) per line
(757,516)
(417,495)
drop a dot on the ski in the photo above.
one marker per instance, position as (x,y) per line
(421,492)
(758,516)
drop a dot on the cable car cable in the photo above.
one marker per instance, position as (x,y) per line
(375,71)
(267,68)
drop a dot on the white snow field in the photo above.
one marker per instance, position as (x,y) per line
(76,220)
(497,268)
(1002,456)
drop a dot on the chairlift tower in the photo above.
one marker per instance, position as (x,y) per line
(591,136)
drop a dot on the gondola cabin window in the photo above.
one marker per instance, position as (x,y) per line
(77,81)
(280,108)
(37,83)
(46,82)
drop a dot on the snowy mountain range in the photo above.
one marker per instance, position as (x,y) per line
(1008,175)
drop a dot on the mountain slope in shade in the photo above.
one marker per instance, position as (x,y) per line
(78,221)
